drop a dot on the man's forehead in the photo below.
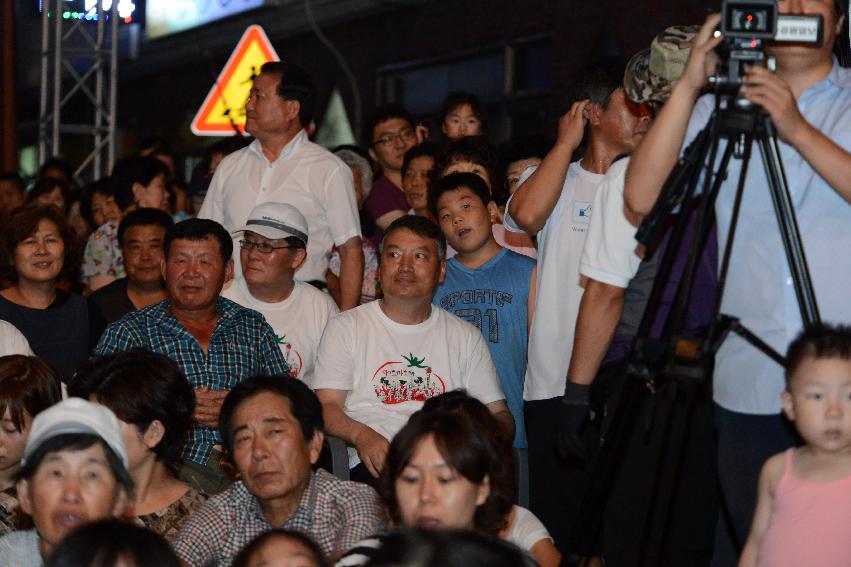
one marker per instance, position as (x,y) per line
(408,239)
(146,231)
(249,235)
(392,125)
(262,406)
(200,245)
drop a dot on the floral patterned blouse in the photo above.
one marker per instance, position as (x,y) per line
(102,256)
(168,521)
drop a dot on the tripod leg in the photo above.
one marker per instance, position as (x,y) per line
(788,224)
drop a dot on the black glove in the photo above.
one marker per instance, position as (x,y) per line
(571,421)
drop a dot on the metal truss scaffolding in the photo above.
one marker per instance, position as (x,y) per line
(79,66)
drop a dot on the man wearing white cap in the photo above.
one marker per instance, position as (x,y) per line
(273,247)
(74,471)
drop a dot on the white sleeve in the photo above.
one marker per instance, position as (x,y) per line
(335,363)
(508,222)
(609,255)
(12,341)
(211,208)
(341,210)
(480,378)
(526,529)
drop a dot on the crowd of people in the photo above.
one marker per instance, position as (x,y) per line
(178,359)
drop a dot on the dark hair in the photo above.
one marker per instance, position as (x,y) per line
(525,147)
(470,450)
(153,143)
(599,80)
(304,404)
(27,384)
(130,170)
(455,182)
(15,179)
(842,45)
(59,163)
(244,557)
(420,226)
(105,543)
(458,99)
(473,149)
(23,223)
(145,216)
(119,381)
(46,185)
(426,149)
(446,548)
(820,341)
(77,442)
(296,84)
(381,114)
(199,229)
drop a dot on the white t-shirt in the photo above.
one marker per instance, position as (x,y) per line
(390,369)
(305,175)
(609,255)
(12,341)
(298,322)
(559,291)
(526,529)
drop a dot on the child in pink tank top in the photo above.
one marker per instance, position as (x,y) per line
(803,511)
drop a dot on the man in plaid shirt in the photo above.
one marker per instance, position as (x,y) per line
(272,429)
(216,342)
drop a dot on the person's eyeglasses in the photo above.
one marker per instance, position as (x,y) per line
(402,135)
(262,247)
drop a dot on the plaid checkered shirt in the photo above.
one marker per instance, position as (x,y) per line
(242,345)
(334,513)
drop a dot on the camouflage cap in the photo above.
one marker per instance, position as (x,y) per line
(651,73)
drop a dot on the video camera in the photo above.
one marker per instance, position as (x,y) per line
(747,26)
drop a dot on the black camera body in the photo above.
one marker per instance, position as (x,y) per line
(748,25)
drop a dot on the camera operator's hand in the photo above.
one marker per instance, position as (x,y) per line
(571,126)
(702,59)
(572,418)
(774,95)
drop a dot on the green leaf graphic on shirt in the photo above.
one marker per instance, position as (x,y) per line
(413,361)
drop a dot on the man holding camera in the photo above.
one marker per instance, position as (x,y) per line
(809,102)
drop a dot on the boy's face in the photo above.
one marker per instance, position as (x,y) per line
(69,489)
(819,402)
(465,220)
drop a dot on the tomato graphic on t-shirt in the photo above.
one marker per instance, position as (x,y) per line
(396,382)
(291,355)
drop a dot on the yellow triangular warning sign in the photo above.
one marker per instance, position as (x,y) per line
(223,112)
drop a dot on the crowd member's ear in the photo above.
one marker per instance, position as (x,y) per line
(314,447)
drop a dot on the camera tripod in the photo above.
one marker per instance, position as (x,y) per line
(668,378)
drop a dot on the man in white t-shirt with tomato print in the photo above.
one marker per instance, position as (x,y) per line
(379,362)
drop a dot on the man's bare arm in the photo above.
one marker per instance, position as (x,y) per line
(351,272)
(655,156)
(599,312)
(371,446)
(535,199)
(499,410)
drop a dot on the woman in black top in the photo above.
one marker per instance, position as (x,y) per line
(39,248)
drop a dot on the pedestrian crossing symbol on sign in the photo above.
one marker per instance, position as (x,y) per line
(223,111)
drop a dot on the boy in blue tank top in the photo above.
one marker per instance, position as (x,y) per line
(491,287)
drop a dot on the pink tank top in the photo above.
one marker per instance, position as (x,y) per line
(810,523)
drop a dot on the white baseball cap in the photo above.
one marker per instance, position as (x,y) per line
(76,415)
(276,220)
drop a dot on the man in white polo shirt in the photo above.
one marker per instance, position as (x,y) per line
(282,165)
(272,249)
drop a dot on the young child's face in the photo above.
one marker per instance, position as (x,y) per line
(465,220)
(468,167)
(818,400)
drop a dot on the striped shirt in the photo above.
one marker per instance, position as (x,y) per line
(334,513)
(242,345)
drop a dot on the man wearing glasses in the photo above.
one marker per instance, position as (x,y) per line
(282,165)
(391,133)
(272,249)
